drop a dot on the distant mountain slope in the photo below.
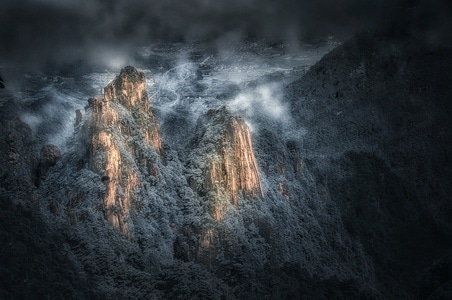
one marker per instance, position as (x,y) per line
(378,135)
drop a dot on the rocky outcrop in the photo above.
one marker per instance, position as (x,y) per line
(120,123)
(129,90)
(230,170)
(16,160)
(78,117)
(235,169)
(50,154)
(16,134)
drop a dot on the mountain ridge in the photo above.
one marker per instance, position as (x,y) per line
(347,201)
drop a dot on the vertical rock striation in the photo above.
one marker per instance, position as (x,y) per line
(235,169)
(120,123)
(229,167)
(129,90)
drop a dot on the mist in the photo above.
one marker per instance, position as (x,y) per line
(49,33)
(54,55)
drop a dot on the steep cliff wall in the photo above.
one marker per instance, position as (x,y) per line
(119,122)
(17,160)
(129,90)
(224,152)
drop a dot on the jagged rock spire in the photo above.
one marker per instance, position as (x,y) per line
(123,130)
(230,168)
(129,90)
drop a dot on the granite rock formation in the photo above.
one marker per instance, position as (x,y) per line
(117,120)
(229,170)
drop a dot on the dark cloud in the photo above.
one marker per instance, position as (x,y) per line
(67,30)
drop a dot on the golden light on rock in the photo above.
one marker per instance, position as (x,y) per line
(108,150)
(234,171)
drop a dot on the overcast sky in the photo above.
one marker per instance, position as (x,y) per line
(64,30)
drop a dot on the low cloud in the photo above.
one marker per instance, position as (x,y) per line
(264,100)
(42,32)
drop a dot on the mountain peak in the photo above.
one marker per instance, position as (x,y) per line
(123,128)
(131,73)
(224,146)
(128,89)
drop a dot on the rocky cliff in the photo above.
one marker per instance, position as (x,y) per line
(118,120)
(129,90)
(116,147)
(17,160)
(229,170)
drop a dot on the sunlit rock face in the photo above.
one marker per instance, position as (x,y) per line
(123,130)
(129,90)
(230,169)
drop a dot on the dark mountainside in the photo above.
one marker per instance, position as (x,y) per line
(353,203)
(378,109)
